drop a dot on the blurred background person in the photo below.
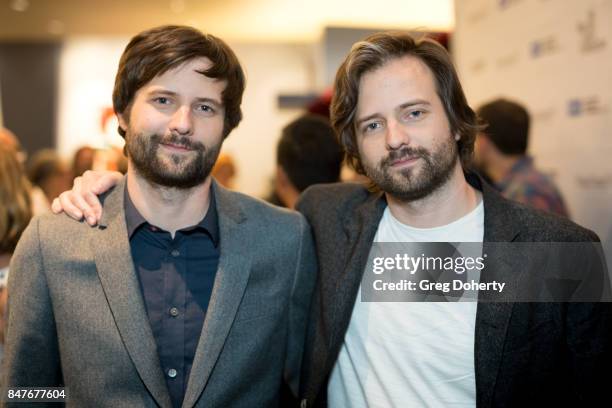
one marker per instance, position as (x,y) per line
(501,155)
(38,200)
(47,171)
(224,170)
(15,214)
(9,140)
(83,160)
(308,153)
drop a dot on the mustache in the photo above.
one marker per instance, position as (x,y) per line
(403,154)
(177,140)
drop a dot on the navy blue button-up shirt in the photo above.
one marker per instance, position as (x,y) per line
(176,279)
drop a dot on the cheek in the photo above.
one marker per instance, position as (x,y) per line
(370,150)
(211,129)
(148,118)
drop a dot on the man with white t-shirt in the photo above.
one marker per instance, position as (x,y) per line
(403,119)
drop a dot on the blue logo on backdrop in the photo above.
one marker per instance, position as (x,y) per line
(590,105)
(574,107)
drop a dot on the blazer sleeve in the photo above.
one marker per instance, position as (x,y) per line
(589,331)
(305,275)
(31,357)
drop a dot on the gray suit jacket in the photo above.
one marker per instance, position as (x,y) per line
(77,316)
(526,354)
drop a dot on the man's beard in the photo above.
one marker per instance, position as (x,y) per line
(419,180)
(179,170)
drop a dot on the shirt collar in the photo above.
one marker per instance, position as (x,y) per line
(210,222)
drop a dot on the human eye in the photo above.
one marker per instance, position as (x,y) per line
(371,127)
(161,100)
(415,114)
(205,108)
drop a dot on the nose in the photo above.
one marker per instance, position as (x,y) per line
(396,136)
(181,121)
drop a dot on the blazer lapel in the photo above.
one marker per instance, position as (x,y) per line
(115,267)
(493,314)
(230,283)
(342,289)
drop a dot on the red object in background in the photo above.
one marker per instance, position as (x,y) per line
(320,105)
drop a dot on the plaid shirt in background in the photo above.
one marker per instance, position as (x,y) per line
(525,184)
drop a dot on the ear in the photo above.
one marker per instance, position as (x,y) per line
(123,124)
(483,140)
(281,176)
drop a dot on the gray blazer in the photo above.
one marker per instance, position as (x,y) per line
(77,316)
(526,354)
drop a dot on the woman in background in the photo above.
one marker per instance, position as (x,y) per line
(15,214)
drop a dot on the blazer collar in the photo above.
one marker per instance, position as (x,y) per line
(230,283)
(116,270)
(120,284)
(498,214)
(492,318)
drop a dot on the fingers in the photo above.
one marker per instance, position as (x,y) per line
(56,207)
(73,204)
(66,200)
(101,182)
(83,198)
(95,214)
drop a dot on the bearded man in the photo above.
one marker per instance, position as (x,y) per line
(185,294)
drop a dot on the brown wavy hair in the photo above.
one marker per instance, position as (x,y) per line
(15,204)
(155,51)
(374,52)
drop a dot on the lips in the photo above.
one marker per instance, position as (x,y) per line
(176,146)
(404,160)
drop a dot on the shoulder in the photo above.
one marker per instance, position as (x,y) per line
(266,215)
(332,198)
(543,226)
(58,226)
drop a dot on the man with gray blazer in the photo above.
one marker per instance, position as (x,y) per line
(184,294)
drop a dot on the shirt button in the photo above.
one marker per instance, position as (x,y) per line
(175,253)
(174,312)
(172,373)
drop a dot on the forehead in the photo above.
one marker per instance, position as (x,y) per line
(397,81)
(188,77)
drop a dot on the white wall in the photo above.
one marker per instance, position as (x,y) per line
(87,73)
(556,57)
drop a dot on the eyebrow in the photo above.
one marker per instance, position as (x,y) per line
(401,107)
(171,93)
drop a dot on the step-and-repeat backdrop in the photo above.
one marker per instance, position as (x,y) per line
(556,58)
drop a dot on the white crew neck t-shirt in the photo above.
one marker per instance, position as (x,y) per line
(409,354)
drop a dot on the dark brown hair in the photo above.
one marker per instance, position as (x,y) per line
(155,51)
(507,125)
(374,52)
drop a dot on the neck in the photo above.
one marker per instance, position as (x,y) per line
(448,203)
(501,166)
(168,208)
